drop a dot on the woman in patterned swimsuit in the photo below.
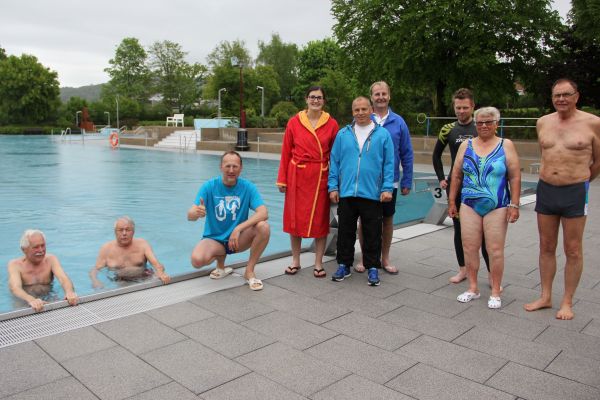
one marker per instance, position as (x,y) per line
(488,169)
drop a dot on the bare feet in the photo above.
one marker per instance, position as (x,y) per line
(461,276)
(360,268)
(565,312)
(538,305)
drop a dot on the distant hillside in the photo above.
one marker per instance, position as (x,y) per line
(89,93)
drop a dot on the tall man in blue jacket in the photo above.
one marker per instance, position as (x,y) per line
(403,155)
(361,179)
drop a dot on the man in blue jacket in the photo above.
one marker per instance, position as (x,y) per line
(361,179)
(403,155)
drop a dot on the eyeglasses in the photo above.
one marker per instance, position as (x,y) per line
(486,123)
(557,96)
(126,230)
(315,98)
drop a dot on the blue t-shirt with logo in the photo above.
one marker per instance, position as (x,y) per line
(226,207)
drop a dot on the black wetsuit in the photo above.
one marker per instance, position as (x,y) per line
(452,135)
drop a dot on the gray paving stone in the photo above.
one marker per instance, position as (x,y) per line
(593,328)
(290,330)
(75,343)
(362,359)
(194,366)
(293,369)
(356,387)
(580,369)
(27,366)
(306,285)
(139,333)
(427,323)
(170,391)
(225,337)
(546,316)
(63,389)
(114,373)
(427,383)
(309,309)
(588,308)
(359,302)
(268,294)
(500,322)
(251,387)
(428,302)
(419,283)
(231,306)
(452,358)
(522,351)
(373,331)
(532,384)
(389,285)
(180,314)
(578,343)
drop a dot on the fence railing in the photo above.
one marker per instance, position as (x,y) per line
(423,118)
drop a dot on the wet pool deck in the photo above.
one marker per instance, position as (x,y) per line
(307,338)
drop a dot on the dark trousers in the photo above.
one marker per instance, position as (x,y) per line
(370,213)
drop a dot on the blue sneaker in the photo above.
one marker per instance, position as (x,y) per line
(341,273)
(373,277)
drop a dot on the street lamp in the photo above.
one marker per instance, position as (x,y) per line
(235,62)
(77,118)
(108,116)
(262,101)
(219,106)
(117,100)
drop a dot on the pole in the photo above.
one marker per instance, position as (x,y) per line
(242,115)
(117,100)
(108,116)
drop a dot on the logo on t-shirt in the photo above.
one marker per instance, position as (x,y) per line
(225,205)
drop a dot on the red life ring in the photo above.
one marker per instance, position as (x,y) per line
(114,140)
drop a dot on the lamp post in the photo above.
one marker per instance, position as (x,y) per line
(235,62)
(108,116)
(219,106)
(262,101)
(77,118)
(117,100)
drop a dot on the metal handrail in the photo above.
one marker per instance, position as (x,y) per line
(122,129)
(424,118)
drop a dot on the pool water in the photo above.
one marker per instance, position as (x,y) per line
(74,191)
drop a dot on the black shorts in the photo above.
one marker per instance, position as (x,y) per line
(228,250)
(567,201)
(389,208)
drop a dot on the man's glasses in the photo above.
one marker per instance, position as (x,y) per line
(315,98)
(558,96)
(486,123)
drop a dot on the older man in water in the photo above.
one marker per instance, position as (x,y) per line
(570,143)
(127,256)
(30,277)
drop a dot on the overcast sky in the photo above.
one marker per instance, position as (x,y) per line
(76,38)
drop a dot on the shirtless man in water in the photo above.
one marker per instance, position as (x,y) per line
(31,276)
(570,144)
(127,256)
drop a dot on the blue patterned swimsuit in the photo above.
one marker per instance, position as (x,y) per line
(485,184)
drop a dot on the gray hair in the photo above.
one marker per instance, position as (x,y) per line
(379,83)
(491,111)
(126,219)
(24,242)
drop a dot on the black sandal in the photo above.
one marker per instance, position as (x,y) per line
(319,273)
(291,270)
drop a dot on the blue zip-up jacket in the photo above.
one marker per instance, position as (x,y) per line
(403,151)
(364,174)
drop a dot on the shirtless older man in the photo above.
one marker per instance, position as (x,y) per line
(570,145)
(31,276)
(127,256)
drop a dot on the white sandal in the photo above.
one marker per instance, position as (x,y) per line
(494,302)
(468,296)
(219,273)
(254,284)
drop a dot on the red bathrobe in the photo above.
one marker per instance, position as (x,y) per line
(303,170)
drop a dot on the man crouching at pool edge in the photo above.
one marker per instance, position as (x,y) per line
(127,256)
(37,269)
(226,201)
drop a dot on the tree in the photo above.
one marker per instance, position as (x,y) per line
(439,45)
(314,59)
(178,81)
(3,55)
(28,91)
(585,15)
(129,75)
(283,57)
(221,55)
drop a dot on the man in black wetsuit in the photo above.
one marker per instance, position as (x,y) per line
(453,134)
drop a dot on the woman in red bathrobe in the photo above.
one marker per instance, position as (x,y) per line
(303,173)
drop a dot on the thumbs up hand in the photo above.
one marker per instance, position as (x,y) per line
(201,208)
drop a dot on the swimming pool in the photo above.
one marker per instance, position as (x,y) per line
(75,191)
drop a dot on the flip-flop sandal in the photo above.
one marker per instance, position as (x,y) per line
(219,273)
(468,296)
(291,270)
(319,273)
(390,269)
(494,302)
(254,284)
